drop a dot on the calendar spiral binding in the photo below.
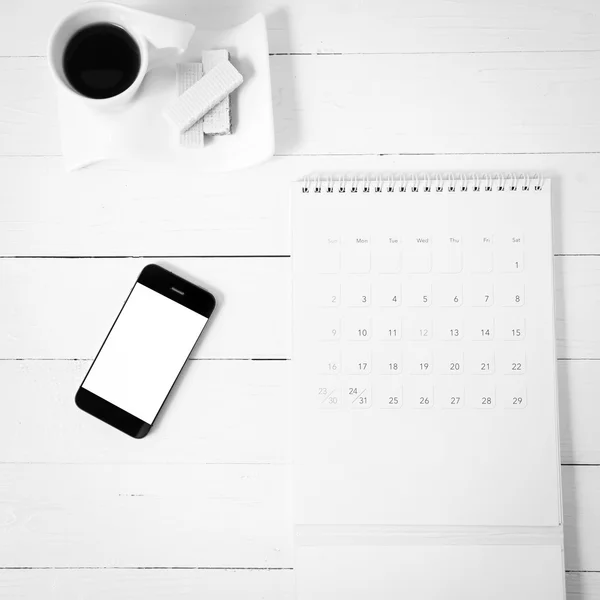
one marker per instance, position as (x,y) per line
(413,183)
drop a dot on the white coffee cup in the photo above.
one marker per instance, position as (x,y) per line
(158,38)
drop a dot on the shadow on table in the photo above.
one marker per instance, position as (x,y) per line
(569,479)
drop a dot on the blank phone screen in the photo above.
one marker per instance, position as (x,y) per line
(144,353)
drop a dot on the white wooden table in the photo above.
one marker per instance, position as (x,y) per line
(201,508)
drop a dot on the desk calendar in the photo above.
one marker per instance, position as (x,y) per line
(425,405)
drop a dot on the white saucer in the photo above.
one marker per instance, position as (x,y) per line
(139,133)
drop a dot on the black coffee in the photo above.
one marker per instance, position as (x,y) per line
(101,61)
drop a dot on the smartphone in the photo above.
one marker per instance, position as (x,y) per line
(145,350)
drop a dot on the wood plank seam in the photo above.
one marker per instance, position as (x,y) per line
(153,568)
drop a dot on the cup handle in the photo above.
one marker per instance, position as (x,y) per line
(167,38)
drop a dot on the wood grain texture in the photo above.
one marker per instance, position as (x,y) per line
(583,586)
(142,584)
(110,211)
(124,212)
(579,411)
(165,584)
(27,107)
(49,307)
(74,515)
(374,26)
(581,490)
(56,308)
(145,515)
(577,294)
(222,411)
(219,412)
(446,103)
(470,103)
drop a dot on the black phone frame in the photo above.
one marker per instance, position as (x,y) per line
(175,288)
